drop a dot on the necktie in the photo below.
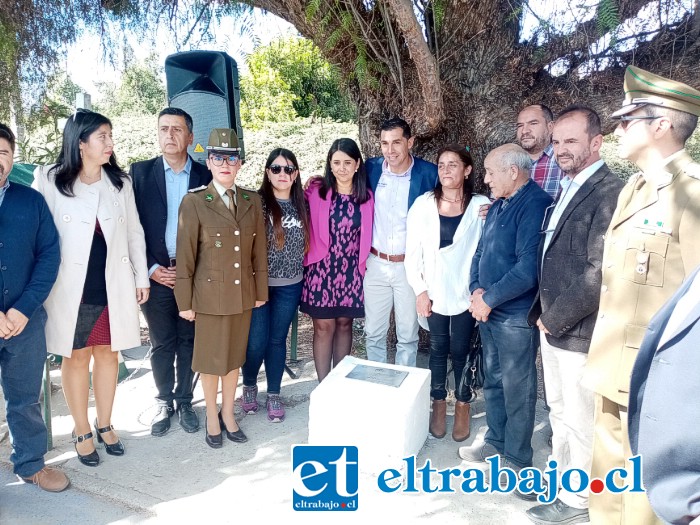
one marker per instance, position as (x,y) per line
(231,202)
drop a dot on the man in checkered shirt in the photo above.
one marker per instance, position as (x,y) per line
(534,134)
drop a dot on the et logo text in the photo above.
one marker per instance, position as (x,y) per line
(324,478)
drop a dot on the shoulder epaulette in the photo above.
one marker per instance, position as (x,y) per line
(194,190)
(693,170)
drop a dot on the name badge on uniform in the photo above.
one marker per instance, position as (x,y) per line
(653,225)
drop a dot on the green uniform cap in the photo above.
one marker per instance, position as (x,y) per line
(224,140)
(643,88)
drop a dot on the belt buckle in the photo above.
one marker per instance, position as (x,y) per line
(387,257)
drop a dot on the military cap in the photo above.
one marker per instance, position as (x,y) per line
(643,88)
(223,139)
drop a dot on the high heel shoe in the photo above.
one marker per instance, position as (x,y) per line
(115,449)
(213,440)
(90,460)
(238,436)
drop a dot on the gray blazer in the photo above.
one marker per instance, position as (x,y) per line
(664,411)
(570,274)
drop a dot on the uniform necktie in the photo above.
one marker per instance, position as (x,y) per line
(231,202)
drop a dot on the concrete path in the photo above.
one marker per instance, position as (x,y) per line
(179,479)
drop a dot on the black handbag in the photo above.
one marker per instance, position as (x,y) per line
(473,374)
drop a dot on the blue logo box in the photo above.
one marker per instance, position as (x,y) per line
(324,478)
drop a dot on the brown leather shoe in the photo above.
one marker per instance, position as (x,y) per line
(438,425)
(461,428)
(49,479)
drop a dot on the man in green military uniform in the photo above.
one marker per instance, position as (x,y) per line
(652,244)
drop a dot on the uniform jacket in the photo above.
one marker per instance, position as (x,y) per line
(151,202)
(126,270)
(650,247)
(29,250)
(569,275)
(221,260)
(424,176)
(319,223)
(664,411)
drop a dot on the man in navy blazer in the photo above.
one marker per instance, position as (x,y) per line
(396,179)
(159,186)
(664,406)
(29,260)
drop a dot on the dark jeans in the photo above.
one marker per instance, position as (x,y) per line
(267,340)
(448,334)
(22,361)
(172,340)
(510,386)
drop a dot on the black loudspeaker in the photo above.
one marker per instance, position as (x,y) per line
(205,84)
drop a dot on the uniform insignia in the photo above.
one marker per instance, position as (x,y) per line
(218,244)
(209,197)
(193,190)
(245,196)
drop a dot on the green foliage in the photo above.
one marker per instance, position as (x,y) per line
(439,9)
(289,78)
(140,92)
(608,16)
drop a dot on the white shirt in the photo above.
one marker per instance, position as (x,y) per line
(391,211)
(442,272)
(683,308)
(222,192)
(569,188)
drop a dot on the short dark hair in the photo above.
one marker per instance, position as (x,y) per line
(684,123)
(178,113)
(6,133)
(593,127)
(396,122)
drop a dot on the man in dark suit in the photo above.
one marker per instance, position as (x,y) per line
(565,308)
(29,260)
(663,408)
(396,180)
(159,186)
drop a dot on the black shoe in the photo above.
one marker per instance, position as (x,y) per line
(161,422)
(90,460)
(237,437)
(213,440)
(558,513)
(115,449)
(188,417)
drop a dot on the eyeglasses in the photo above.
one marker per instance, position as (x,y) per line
(451,166)
(218,160)
(626,122)
(276,169)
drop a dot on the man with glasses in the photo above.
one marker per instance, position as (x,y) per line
(569,260)
(159,186)
(503,287)
(651,245)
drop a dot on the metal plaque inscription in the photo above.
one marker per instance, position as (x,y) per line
(379,375)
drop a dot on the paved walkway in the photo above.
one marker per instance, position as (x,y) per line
(179,479)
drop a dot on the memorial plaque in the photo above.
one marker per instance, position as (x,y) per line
(379,375)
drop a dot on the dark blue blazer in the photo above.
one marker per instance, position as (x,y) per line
(424,176)
(664,411)
(29,250)
(152,203)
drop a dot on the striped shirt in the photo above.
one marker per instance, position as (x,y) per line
(546,173)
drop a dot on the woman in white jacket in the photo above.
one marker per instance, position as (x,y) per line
(443,231)
(93,307)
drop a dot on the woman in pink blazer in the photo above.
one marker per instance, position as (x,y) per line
(341,209)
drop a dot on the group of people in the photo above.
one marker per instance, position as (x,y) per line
(563,257)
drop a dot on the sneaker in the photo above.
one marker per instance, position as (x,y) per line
(249,402)
(275,410)
(477,453)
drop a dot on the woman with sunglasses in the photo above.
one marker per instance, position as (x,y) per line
(341,210)
(221,276)
(443,231)
(93,307)
(287,227)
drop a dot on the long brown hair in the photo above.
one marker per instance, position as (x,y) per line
(466,159)
(296,195)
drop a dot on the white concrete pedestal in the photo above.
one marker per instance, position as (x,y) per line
(386,423)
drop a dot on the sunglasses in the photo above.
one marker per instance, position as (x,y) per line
(276,169)
(626,122)
(218,160)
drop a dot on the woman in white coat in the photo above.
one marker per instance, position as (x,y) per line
(442,234)
(93,307)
